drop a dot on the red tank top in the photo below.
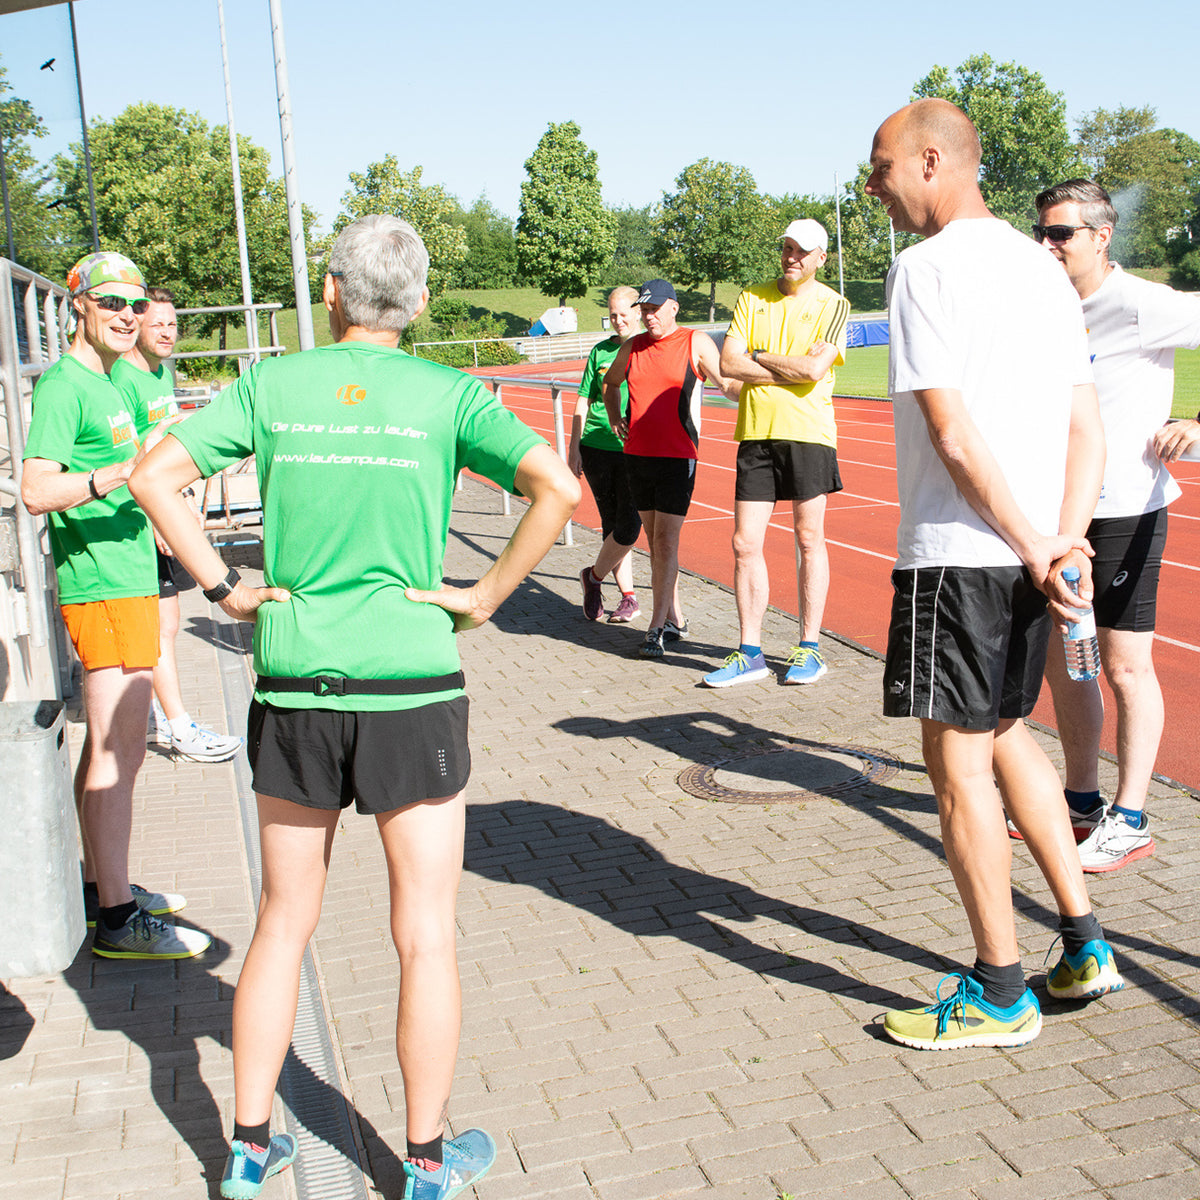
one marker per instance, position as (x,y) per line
(664,397)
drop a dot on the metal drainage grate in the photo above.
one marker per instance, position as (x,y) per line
(795,774)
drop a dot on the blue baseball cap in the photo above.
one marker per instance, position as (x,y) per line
(657,291)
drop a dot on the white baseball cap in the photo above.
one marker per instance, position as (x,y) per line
(807,234)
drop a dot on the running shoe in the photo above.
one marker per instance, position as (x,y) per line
(965,1018)
(144,936)
(652,646)
(158,730)
(738,669)
(675,633)
(1081,823)
(249,1166)
(625,611)
(1114,843)
(1084,976)
(593,597)
(805,664)
(198,744)
(157,904)
(466,1160)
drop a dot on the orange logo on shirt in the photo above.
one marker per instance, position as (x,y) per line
(351,394)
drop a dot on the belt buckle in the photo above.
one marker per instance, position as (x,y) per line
(329,685)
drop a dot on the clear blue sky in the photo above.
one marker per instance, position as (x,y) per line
(466,89)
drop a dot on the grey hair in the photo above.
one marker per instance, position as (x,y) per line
(1095,204)
(381,264)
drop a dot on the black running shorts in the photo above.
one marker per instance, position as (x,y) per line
(607,474)
(662,485)
(323,758)
(1129,554)
(773,470)
(966,645)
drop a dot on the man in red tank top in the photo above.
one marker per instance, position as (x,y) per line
(664,369)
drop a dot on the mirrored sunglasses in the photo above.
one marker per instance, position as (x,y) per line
(1056,233)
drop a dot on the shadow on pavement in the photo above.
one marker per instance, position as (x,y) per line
(16,1024)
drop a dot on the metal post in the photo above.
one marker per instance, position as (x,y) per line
(497,391)
(837,201)
(251,319)
(892,236)
(304,325)
(560,444)
(12,254)
(32,333)
(87,153)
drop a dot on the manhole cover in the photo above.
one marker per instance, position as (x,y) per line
(794,774)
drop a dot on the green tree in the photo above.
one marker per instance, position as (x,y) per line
(36,227)
(1099,131)
(491,258)
(781,211)
(1022,129)
(164,196)
(429,209)
(633,259)
(714,229)
(1154,180)
(866,231)
(565,235)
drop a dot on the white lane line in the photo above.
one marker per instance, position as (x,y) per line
(1158,637)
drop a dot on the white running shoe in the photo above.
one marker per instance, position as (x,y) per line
(1113,843)
(202,745)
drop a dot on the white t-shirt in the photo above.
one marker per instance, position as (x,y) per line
(1134,328)
(982,310)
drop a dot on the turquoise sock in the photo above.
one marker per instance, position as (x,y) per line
(749,651)
(1133,818)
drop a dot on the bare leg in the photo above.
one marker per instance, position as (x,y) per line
(116,705)
(166,673)
(751,584)
(614,558)
(1033,798)
(1128,663)
(974,835)
(808,517)
(424,848)
(295,843)
(1079,714)
(662,530)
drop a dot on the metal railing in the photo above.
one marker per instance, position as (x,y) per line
(37,666)
(252,350)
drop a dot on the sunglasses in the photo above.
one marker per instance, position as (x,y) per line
(1056,233)
(115,304)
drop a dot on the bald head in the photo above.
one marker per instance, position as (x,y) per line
(939,123)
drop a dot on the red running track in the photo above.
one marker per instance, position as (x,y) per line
(861,531)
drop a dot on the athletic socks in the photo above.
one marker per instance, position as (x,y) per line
(1002,986)
(1078,931)
(427,1154)
(253,1135)
(749,651)
(1134,818)
(180,725)
(115,917)
(811,645)
(1083,803)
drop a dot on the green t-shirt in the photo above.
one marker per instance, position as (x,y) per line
(597,431)
(357,449)
(151,392)
(103,550)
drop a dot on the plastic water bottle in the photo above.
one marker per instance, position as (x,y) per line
(1079,638)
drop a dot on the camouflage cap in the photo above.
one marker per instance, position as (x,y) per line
(106,266)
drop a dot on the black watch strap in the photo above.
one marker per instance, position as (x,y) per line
(222,589)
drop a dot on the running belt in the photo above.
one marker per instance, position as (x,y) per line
(337,685)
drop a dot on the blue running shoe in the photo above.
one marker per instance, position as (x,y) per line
(805,664)
(1086,975)
(249,1166)
(965,1018)
(465,1161)
(738,669)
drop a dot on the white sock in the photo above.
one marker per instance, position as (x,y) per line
(180,725)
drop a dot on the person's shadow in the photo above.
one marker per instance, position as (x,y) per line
(167,1010)
(16,1024)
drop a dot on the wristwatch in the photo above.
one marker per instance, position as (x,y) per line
(754,356)
(224,588)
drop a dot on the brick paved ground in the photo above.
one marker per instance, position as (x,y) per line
(666,995)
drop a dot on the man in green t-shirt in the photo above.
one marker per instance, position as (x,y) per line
(142,377)
(81,449)
(359,694)
(598,453)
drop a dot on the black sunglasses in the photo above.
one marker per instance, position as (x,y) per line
(1056,233)
(115,304)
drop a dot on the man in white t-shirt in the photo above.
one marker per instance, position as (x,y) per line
(992,397)
(1134,328)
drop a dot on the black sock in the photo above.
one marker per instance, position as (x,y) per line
(113,918)
(1002,986)
(91,891)
(429,1151)
(253,1135)
(1083,803)
(1078,931)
